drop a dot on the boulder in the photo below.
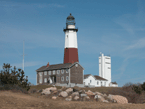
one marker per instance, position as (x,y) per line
(75,93)
(98,93)
(69,90)
(76,98)
(105,101)
(46,92)
(53,88)
(63,94)
(90,93)
(63,88)
(76,88)
(68,99)
(120,99)
(54,92)
(83,95)
(99,98)
(54,97)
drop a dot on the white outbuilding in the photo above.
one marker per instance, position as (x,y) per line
(94,81)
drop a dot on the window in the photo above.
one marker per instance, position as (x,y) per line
(45,73)
(49,72)
(97,82)
(76,65)
(62,71)
(53,72)
(58,71)
(67,78)
(101,83)
(40,77)
(62,78)
(90,81)
(66,70)
(45,80)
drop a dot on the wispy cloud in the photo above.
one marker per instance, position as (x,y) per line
(8,4)
(26,64)
(140,43)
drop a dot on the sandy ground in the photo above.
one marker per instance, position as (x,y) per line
(11,100)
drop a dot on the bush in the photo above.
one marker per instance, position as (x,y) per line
(137,89)
(143,86)
(33,90)
(12,79)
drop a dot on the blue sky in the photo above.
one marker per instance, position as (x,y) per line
(115,27)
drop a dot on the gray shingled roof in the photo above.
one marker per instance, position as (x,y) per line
(113,82)
(54,67)
(96,77)
(100,78)
(85,76)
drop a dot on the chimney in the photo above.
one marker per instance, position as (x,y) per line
(47,64)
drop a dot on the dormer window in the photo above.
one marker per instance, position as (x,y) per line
(67,70)
(45,73)
(58,71)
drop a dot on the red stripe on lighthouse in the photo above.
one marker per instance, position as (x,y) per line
(70,55)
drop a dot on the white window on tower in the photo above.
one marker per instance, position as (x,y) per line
(45,73)
(90,81)
(67,78)
(49,72)
(58,71)
(62,71)
(62,78)
(45,80)
(53,72)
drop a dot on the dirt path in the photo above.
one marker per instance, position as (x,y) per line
(10,100)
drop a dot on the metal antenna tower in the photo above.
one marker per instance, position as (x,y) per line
(23,56)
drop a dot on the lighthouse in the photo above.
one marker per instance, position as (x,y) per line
(71,46)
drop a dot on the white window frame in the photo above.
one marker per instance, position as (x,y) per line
(90,81)
(49,72)
(62,71)
(45,72)
(67,70)
(97,82)
(62,78)
(67,78)
(58,71)
(40,77)
(53,72)
(45,80)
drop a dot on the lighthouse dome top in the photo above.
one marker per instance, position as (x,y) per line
(70,17)
(70,20)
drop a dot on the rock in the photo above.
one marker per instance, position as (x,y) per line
(55,92)
(63,94)
(98,93)
(75,93)
(105,101)
(53,88)
(54,97)
(89,93)
(76,97)
(99,98)
(46,92)
(87,97)
(120,99)
(63,88)
(69,90)
(110,97)
(76,88)
(69,98)
(83,95)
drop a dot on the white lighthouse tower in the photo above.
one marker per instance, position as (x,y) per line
(71,46)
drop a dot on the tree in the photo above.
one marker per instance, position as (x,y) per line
(13,78)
